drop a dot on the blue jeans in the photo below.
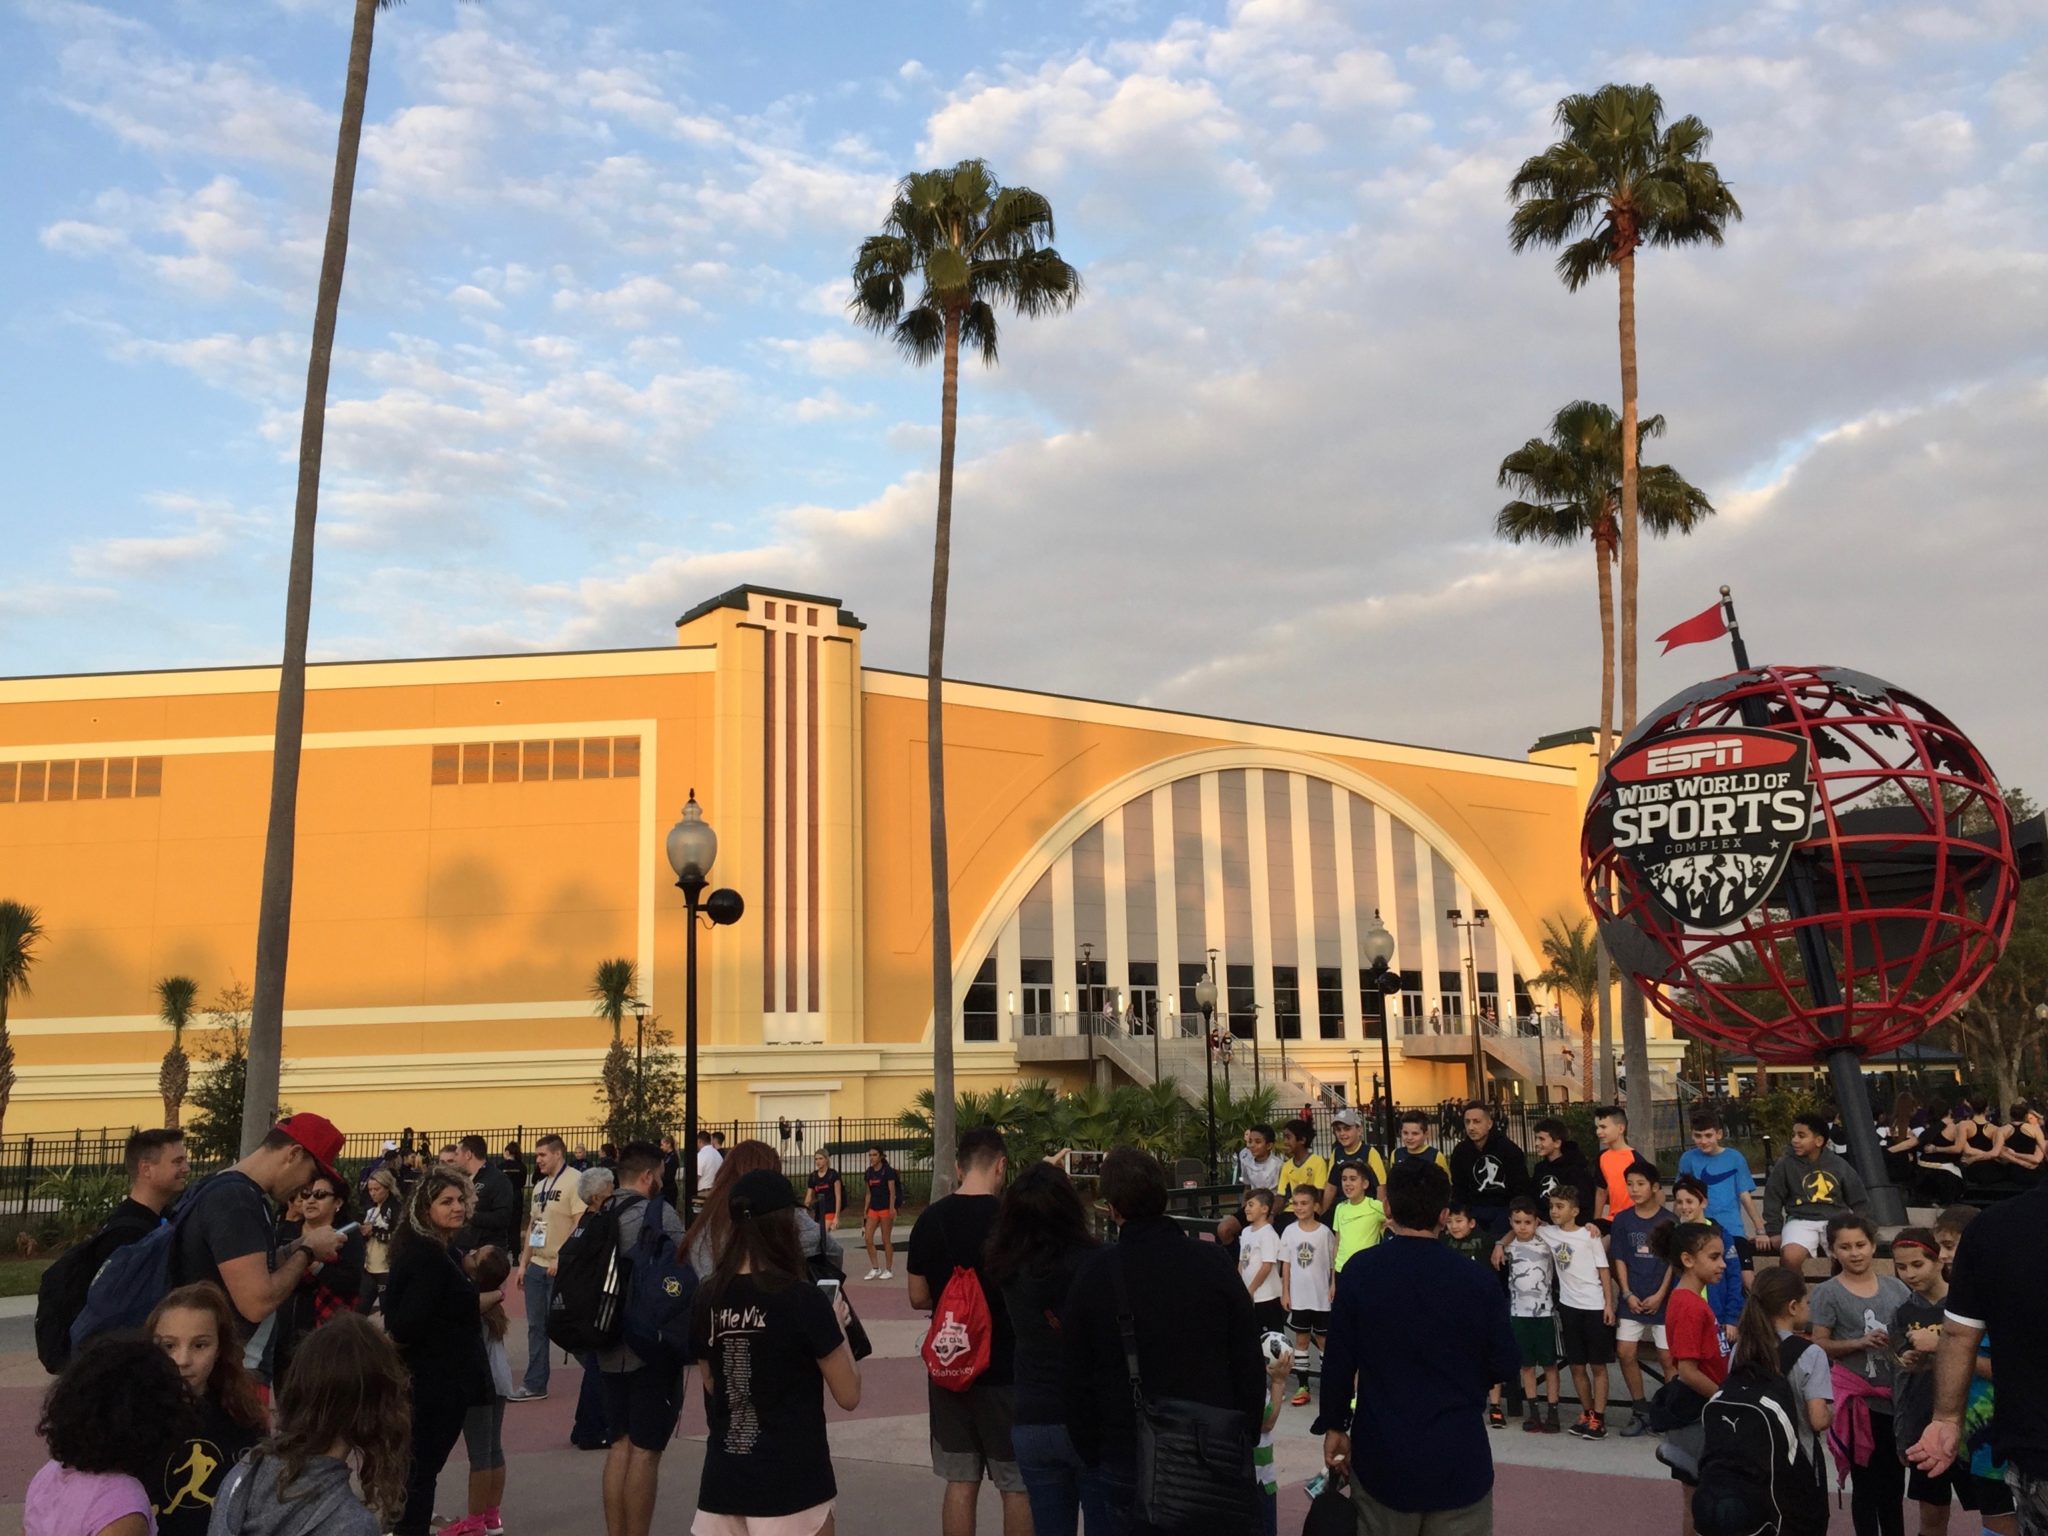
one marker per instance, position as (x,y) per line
(540,1289)
(1059,1484)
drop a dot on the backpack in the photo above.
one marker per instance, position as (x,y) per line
(60,1295)
(585,1313)
(138,1275)
(956,1346)
(661,1288)
(1754,1473)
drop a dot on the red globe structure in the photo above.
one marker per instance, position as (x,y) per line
(1878,917)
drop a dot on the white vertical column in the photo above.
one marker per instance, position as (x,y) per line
(805,1025)
(1262,897)
(1406,945)
(775,1017)
(1116,916)
(1165,900)
(1065,957)
(1347,912)
(1432,912)
(1304,909)
(1010,972)
(1212,880)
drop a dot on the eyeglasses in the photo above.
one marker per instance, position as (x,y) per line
(318,1194)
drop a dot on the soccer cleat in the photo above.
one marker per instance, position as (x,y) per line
(1300,1399)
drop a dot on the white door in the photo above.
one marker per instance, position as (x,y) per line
(808,1116)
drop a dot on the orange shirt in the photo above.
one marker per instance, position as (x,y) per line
(1614,1164)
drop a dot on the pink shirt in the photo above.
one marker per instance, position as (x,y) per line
(62,1502)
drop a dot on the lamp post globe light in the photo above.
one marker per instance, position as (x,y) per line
(692,849)
(1205,999)
(1382,982)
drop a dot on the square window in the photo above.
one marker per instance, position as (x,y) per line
(149,777)
(533,760)
(9,773)
(62,777)
(569,759)
(447,763)
(504,762)
(120,777)
(597,757)
(34,776)
(92,778)
(476,762)
(626,757)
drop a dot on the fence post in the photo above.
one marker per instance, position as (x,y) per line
(28,1163)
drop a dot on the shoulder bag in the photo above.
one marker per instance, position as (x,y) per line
(1194,1464)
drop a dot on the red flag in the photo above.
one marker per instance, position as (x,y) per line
(1710,625)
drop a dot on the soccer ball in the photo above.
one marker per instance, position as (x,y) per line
(1273,1346)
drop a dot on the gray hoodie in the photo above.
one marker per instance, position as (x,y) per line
(322,1502)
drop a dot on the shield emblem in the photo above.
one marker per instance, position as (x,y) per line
(1708,818)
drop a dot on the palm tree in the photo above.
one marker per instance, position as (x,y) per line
(971,244)
(21,930)
(1620,179)
(1578,970)
(615,988)
(280,841)
(175,999)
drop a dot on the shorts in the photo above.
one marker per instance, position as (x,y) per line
(878,1213)
(971,1434)
(1301,1320)
(1633,1330)
(483,1433)
(1588,1336)
(1810,1235)
(805,1522)
(1745,1252)
(1979,1495)
(643,1405)
(1269,1316)
(1536,1338)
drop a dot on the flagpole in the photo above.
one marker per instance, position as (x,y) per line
(1734,631)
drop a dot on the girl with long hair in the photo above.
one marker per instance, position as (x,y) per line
(1852,1322)
(382,1210)
(1776,1313)
(433,1314)
(483,1431)
(712,1229)
(197,1328)
(771,1345)
(1698,1258)
(1037,1245)
(343,1410)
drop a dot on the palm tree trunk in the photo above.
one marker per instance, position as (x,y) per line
(1635,1047)
(6,1060)
(1586,1052)
(935,767)
(274,912)
(1603,559)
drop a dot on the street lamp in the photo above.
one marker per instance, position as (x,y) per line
(639,1069)
(1377,945)
(692,849)
(1466,925)
(1086,1015)
(1205,999)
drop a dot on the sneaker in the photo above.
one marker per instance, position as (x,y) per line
(526,1395)
(1533,1425)
(1596,1427)
(888,1274)
(468,1525)
(1637,1425)
(1300,1399)
(873,1274)
(1550,1424)
(1495,1419)
(494,1522)
(1581,1424)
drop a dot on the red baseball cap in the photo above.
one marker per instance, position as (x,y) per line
(319,1138)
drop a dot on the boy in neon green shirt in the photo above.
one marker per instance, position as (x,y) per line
(1358,1218)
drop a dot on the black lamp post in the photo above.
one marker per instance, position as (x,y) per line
(640,1071)
(1357,1091)
(1466,926)
(692,849)
(1205,999)
(1380,982)
(1085,1013)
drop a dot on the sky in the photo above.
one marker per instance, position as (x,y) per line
(594,365)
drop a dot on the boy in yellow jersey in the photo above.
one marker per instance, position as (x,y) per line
(1299,1168)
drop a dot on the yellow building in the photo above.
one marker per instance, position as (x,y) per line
(477,834)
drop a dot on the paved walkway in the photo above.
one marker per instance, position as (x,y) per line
(1547,1485)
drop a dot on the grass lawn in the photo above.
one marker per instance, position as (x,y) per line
(19,1277)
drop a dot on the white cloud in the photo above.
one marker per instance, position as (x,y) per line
(830,405)
(635,303)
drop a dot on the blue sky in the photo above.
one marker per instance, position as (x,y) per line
(593,363)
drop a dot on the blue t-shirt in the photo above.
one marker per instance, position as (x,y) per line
(1727,1177)
(1629,1246)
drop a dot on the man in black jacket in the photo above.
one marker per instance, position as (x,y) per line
(496,1216)
(1191,1315)
(1559,1165)
(1487,1170)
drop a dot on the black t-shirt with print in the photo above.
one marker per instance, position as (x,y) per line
(183,1492)
(767,1453)
(825,1194)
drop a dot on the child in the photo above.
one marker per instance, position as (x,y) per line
(1852,1321)
(1300,1168)
(1697,1256)
(1462,1235)
(1258,1262)
(347,1401)
(1775,1369)
(1585,1308)
(1916,1259)
(1358,1218)
(1689,1199)
(1258,1167)
(114,1416)
(1262,1458)
(1306,1279)
(1808,1187)
(190,1325)
(483,1431)
(1948,1231)
(1642,1281)
(1532,1310)
(1730,1189)
(1610,1128)
(1779,1296)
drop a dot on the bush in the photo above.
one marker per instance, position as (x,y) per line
(85,1197)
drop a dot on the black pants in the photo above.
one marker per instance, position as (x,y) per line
(1877,1489)
(436,1425)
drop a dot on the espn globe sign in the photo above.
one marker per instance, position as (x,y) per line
(1707,818)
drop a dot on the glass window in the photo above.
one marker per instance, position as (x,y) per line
(1489,995)
(1411,1000)
(978,1011)
(1374,1003)
(1143,1007)
(1451,984)
(1287,1002)
(1034,1005)
(1243,1001)
(1192,975)
(1330,1001)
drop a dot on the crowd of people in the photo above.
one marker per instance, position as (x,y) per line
(303,1353)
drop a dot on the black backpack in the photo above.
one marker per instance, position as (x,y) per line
(1755,1476)
(587,1311)
(60,1295)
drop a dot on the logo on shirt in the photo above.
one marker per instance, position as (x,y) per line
(1486,1175)
(1818,1187)
(1305,1256)
(186,1476)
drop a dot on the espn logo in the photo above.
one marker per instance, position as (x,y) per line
(1726,753)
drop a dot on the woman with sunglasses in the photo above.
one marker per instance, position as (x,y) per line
(326,1290)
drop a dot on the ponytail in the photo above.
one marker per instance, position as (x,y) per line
(1675,1240)
(1756,1335)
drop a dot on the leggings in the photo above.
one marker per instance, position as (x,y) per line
(436,1425)
(483,1431)
(1877,1489)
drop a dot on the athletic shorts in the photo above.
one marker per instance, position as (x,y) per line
(1979,1495)
(1633,1330)
(1303,1321)
(1536,1337)
(1588,1336)
(1745,1252)
(1810,1235)
(643,1405)
(805,1522)
(1269,1316)
(971,1434)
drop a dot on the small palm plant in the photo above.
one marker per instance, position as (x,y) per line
(21,930)
(615,987)
(1574,971)
(175,998)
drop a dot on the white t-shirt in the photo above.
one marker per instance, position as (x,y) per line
(1581,1261)
(1532,1277)
(1311,1258)
(709,1161)
(1256,1246)
(1253,1174)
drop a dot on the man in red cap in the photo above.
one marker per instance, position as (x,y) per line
(230,1234)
